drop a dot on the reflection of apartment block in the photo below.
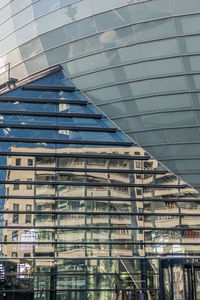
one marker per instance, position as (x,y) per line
(84,208)
(16,219)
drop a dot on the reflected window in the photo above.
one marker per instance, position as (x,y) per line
(27,255)
(15,206)
(28,219)
(28,207)
(138,164)
(139,192)
(29,186)
(15,219)
(30,162)
(16,186)
(14,254)
(18,162)
(14,235)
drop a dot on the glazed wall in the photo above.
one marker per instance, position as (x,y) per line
(137,60)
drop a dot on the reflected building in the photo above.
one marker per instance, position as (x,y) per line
(87,214)
(137,60)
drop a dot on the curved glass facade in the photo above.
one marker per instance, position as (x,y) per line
(137,60)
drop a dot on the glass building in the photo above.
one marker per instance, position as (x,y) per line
(85,212)
(137,60)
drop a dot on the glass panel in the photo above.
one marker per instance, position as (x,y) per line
(49,22)
(25,16)
(6,28)
(146,138)
(67,2)
(187,24)
(140,122)
(5,13)
(192,63)
(112,19)
(82,28)
(93,62)
(194,82)
(115,75)
(160,48)
(53,38)
(104,5)
(189,44)
(40,8)
(164,67)
(123,55)
(178,283)
(16,6)
(36,64)
(164,85)
(182,6)
(178,118)
(117,37)
(77,11)
(26,33)
(30,48)
(153,30)
(150,10)
(197,282)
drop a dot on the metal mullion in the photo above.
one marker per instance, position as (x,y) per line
(99,258)
(53,88)
(49,101)
(57,127)
(94,184)
(99,213)
(73,290)
(95,199)
(60,141)
(84,274)
(77,155)
(51,114)
(83,170)
(102,228)
(98,243)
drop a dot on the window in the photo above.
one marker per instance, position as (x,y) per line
(15,235)
(138,164)
(15,219)
(16,186)
(30,162)
(28,219)
(29,186)
(14,254)
(18,162)
(27,255)
(140,218)
(15,207)
(137,153)
(139,192)
(28,207)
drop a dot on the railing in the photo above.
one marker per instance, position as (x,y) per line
(10,81)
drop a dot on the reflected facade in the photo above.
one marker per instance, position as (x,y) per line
(85,213)
(137,60)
